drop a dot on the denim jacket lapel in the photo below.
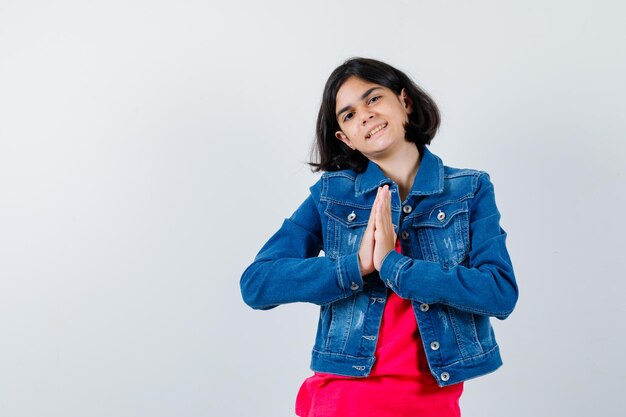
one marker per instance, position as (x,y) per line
(428,180)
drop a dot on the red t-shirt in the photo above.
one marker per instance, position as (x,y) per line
(400,383)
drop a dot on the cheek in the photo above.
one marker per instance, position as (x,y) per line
(403,121)
(352,133)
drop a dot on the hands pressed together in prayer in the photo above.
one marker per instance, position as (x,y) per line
(379,237)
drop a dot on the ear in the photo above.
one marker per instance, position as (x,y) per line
(406,101)
(342,137)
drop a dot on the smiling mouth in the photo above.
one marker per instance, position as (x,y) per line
(375,130)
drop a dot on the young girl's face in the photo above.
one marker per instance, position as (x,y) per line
(371,117)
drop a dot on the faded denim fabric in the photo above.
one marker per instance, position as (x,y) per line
(454,267)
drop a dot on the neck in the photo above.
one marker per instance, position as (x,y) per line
(401,167)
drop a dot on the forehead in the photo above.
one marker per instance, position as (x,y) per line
(352,89)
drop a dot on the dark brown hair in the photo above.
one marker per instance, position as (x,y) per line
(329,153)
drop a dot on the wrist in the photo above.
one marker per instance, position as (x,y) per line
(364,271)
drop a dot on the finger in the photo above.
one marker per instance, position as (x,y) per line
(381,215)
(387,203)
(387,213)
(393,231)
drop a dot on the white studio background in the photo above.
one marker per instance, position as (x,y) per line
(149,148)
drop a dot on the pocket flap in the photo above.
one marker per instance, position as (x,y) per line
(348,215)
(440,215)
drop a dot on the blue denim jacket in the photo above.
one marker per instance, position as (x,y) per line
(454,267)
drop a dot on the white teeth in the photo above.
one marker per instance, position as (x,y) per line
(378,129)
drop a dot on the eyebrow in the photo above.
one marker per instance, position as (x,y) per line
(365,94)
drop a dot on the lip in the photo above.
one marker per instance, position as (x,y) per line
(374,128)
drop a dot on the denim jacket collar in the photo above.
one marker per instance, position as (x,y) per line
(428,180)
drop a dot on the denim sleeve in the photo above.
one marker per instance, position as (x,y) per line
(288,268)
(487,286)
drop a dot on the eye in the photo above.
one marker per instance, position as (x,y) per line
(374,99)
(347,116)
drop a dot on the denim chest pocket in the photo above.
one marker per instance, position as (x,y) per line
(443,233)
(345,228)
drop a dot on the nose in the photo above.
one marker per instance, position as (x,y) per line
(367,117)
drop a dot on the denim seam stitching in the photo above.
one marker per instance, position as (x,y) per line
(340,274)
(398,268)
(339,174)
(345,224)
(321,352)
(477,310)
(346,333)
(475,333)
(469,358)
(347,204)
(464,172)
(457,331)
(444,203)
(372,188)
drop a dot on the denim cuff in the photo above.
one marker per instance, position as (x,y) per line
(390,268)
(350,278)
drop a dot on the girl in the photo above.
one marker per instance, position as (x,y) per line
(414,265)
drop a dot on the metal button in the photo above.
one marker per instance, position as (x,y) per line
(354,286)
(434,345)
(389,283)
(351,216)
(407,208)
(424,307)
(445,376)
(405,235)
(441,216)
